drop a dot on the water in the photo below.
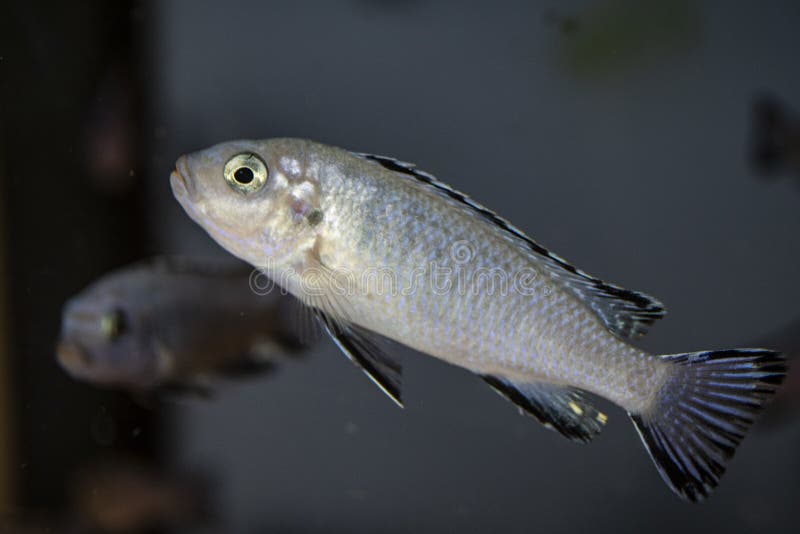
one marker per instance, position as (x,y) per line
(630,159)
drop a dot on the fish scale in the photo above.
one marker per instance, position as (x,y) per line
(560,328)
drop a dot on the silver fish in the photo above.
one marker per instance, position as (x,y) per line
(375,246)
(174,323)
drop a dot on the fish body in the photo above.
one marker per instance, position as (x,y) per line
(537,332)
(375,246)
(173,322)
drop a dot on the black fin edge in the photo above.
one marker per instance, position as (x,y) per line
(645,309)
(581,428)
(705,412)
(384,371)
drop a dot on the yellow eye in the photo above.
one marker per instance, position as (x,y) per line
(246,173)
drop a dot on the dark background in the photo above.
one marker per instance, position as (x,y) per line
(617,135)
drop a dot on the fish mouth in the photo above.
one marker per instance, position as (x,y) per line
(180,180)
(184,191)
(72,358)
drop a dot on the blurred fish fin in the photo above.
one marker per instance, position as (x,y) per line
(558,408)
(165,359)
(197,387)
(263,357)
(276,349)
(287,345)
(247,365)
(266,352)
(150,399)
(624,312)
(703,411)
(361,347)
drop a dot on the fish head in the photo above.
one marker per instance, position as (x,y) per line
(255,198)
(104,340)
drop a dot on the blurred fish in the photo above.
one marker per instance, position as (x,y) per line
(775,136)
(375,246)
(172,323)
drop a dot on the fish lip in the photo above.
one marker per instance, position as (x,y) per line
(180,180)
(72,357)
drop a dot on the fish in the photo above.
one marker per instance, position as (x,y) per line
(376,248)
(174,324)
(775,136)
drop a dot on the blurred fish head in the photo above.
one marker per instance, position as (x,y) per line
(104,340)
(255,198)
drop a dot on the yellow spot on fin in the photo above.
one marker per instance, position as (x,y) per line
(562,408)
(602,418)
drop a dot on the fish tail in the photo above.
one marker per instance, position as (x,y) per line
(702,412)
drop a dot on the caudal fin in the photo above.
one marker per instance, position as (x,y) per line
(702,413)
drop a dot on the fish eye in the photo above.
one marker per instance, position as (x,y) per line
(246,173)
(113,324)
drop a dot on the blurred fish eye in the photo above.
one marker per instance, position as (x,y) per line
(246,173)
(113,324)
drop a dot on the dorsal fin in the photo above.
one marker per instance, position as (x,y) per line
(624,312)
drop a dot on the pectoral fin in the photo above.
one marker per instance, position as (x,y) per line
(360,346)
(246,366)
(559,408)
(151,398)
(198,388)
(332,310)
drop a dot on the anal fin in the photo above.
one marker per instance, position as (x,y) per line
(559,408)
